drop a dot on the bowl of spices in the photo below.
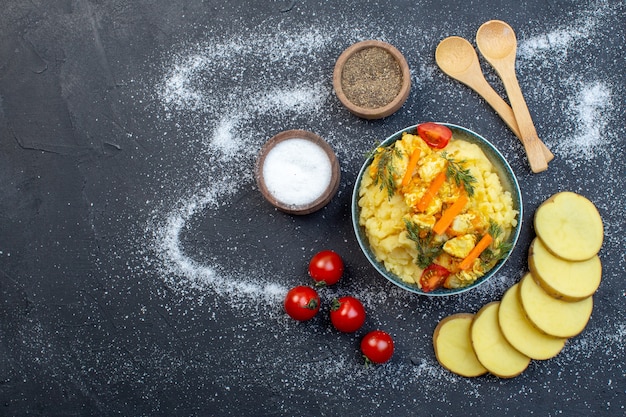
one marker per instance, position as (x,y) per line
(297,172)
(372,79)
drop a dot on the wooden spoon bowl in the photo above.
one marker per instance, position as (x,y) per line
(457,58)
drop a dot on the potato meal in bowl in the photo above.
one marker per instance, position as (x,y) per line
(436,209)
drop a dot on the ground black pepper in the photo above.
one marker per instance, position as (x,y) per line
(371,78)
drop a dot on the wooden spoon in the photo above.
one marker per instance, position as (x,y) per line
(497,43)
(457,58)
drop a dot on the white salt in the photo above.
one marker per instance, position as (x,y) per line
(590,109)
(297,172)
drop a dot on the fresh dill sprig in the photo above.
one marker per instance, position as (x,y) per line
(493,254)
(385,168)
(427,248)
(460,175)
(494,229)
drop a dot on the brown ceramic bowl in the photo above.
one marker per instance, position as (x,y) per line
(376,112)
(315,203)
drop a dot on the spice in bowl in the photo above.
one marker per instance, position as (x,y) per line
(372,79)
(297,171)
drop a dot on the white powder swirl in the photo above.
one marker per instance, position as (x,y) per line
(189,275)
(223,123)
(555,45)
(591,109)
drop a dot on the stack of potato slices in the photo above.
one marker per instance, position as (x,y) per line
(536,316)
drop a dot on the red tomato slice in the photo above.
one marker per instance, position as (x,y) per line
(433,277)
(435,135)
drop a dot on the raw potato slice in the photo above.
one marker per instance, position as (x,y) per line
(453,347)
(552,316)
(570,226)
(521,333)
(492,349)
(571,281)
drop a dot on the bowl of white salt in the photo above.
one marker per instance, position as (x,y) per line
(297,172)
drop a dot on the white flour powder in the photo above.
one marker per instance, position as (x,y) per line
(591,108)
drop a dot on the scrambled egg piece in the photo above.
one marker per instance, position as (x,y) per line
(431,166)
(462,224)
(461,246)
(424,221)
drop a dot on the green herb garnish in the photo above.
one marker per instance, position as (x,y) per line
(461,175)
(385,168)
(427,248)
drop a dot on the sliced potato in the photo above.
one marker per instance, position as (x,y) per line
(453,347)
(569,280)
(521,333)
(492,349)
(570,226)
(550,315)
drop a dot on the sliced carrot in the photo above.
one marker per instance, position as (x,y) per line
(415,156)
(446,218)
(431,191)
(476,251)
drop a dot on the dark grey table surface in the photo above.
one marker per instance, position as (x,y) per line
(142,273)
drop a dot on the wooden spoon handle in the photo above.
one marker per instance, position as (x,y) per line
(527,129)
(482,87)
(498,104)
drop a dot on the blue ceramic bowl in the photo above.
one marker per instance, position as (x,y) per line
(509,183)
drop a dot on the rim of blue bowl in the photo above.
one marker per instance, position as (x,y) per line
(509,183)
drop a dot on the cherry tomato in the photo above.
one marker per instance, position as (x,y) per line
(326,268)
(433,277)
(347,314)
(377,346)
(435,135)
(302,303)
